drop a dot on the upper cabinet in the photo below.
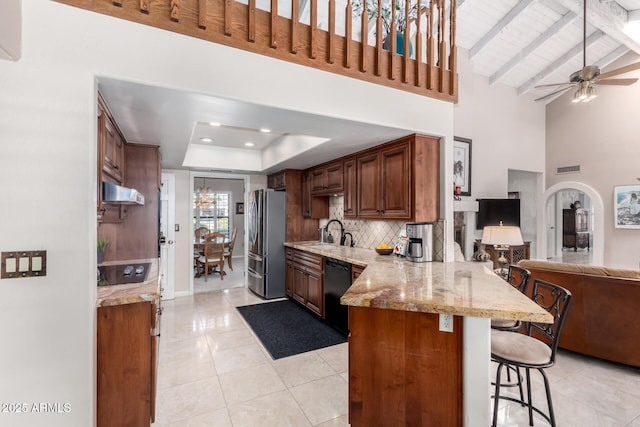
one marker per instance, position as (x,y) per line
(384,183)
(277,181)
(111,144)
(350,189)
(398,180)
(327,179)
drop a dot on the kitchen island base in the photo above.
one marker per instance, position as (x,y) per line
(403,370)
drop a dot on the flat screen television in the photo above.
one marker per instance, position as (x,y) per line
(492,211)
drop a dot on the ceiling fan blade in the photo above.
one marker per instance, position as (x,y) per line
(620,70)
(555,84)
(616,82)
(553,93)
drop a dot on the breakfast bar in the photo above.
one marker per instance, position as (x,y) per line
(408,364)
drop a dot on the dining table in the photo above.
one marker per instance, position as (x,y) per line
(198,250)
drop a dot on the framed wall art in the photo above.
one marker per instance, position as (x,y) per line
(462,165)
(240,208)
(626,208)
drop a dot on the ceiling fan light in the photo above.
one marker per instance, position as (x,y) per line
(591,93)
(576,97)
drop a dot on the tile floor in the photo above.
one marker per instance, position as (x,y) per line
(214,372)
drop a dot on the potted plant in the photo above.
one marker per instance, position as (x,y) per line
(101,246)
(371,6)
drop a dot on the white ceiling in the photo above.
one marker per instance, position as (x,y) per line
(518,43)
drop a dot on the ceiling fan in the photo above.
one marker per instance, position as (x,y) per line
(589,76)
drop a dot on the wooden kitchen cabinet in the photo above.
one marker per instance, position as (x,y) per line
(313,206)
(356,271)
(110,144)
(327,179)
(350,188)
(308,274)
(289,273)
(110,164)
(277,180)
(127,344)
(383,182)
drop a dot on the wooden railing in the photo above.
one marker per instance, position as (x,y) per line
(430,70)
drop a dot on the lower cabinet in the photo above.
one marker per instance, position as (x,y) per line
(304,279)
(127,346)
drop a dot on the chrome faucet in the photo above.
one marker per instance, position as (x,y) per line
(342,236)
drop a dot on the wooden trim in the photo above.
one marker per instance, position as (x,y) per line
(348,36)
(294,26)
(246,27)
(252,21)
(273,13)
(202,14)
(175,10)
(332,31)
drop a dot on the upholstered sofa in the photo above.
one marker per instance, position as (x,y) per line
(604,318)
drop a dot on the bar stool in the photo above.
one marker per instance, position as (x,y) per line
(518,277)
(535,350)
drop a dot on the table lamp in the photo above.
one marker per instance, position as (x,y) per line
(501,237)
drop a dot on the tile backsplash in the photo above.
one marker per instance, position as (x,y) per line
(366,234)
(369,234)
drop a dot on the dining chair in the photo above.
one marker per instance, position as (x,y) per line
(213,255)
(201,232)
(534,350)
(228,252)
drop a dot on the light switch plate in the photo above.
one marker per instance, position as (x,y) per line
(18,264)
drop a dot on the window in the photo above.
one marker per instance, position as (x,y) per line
(211,209)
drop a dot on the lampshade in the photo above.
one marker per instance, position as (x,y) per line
(502,235)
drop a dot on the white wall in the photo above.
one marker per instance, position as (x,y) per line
(48,172)
(507,133)
(602,137)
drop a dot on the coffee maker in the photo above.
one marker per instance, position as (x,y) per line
(420,235)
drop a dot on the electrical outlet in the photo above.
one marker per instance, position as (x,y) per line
(446,323)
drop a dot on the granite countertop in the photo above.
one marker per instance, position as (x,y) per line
(457,288)
(148,290)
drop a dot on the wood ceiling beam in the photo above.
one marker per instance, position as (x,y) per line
(499,27)
(577,49)
(612,56)
(609,17)
(531,47)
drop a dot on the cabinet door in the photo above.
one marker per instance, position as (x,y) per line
(313,206)
(395,182)
(112,151)
(290,278)
(318,180)
(334,177)
(306,194)
(367,183)
(300,285)
(350,190)
(124,364)
(315,294)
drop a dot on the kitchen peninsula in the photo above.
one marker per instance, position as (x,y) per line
(403,370)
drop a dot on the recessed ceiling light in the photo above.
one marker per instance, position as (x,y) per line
(214,124)
(206,139)
(265,130)
(249,144)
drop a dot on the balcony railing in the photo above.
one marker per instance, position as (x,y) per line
(323,34)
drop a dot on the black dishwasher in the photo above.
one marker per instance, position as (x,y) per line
(337,279)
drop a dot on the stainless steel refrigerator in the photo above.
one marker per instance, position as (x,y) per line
(266,263)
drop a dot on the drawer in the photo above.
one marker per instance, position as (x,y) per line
(310,261)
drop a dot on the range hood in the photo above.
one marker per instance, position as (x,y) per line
(113,193)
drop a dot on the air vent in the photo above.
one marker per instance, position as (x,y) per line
(568,169)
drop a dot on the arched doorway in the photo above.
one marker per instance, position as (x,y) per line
(596,216)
